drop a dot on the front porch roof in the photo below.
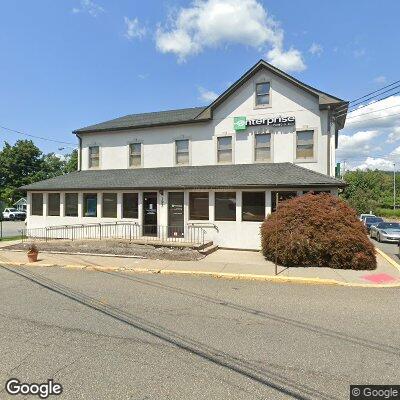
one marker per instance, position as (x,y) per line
(266,175)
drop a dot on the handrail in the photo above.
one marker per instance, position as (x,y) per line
(119,230)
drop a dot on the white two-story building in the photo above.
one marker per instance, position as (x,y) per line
(221,168)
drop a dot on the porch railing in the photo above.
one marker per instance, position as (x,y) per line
(118,230)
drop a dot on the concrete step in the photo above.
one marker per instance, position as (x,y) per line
(209,249)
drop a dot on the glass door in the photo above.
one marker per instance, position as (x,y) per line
(150,214)
(176,221)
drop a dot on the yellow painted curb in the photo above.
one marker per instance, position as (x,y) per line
(388,259)
(218,275)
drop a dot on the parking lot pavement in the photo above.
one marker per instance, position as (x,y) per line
(12,228)
(391,249)
(106,335)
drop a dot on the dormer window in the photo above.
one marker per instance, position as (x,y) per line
(262,93)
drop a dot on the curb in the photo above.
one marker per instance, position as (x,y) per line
(218,275)
(388,258)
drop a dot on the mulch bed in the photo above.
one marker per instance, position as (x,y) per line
(116,247)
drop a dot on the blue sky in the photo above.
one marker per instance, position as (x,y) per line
(70,63)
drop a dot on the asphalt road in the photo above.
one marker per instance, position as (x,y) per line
(11,228)
(391,249)
(107,335)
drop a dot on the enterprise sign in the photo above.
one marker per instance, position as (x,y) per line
(240,123)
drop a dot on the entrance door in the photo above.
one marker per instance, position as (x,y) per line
(176,223)
(150,214)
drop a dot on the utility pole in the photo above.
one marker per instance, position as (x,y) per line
(394,186)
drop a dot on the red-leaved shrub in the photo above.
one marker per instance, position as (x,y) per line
(317,230)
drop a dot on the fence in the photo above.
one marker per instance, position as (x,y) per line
(118,230)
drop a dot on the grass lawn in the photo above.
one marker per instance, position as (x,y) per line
(9,238)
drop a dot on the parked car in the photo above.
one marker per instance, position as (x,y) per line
(12,214)
(372,221)
(363,216)
(386,232)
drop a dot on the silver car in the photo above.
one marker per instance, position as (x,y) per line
(386,232)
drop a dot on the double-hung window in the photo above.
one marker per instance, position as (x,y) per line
(262,94)
(262,144)
(304,144)
(94,156)
(135,155)
(182,152)
(224,149)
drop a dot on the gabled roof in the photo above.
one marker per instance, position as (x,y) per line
(201,114)
(271,175)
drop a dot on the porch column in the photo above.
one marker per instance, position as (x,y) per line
(267,202)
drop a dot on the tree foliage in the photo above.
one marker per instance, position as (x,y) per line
(368,190)
(317,231)
(24,163)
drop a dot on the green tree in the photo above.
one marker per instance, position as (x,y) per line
(71,164)
(18,166)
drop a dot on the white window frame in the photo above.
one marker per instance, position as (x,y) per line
(259,81)
(89,158)
(315,147)
(270,160)
(233,139)
(141,155)
(176,152)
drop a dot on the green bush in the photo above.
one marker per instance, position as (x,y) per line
(317,231)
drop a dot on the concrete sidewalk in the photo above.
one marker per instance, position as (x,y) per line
(221,264)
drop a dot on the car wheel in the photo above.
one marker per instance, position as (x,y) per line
(378,238)
(11,217)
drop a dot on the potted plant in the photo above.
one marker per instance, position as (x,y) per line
(32,253)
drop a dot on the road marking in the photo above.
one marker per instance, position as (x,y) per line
(388,258)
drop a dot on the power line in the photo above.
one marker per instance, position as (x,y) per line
(369,94)
(36,137)
(366,105)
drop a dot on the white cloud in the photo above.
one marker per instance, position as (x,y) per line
(316,49)
(134,29)
(383,114)
(290,60)
(212,23)
(207,95)
(143,76)
(360,143)
(380,79)
(89,7)
(375,163)
(394,136)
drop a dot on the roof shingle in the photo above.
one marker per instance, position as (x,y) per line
(190,177)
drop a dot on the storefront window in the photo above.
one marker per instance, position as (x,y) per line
(71,204)
(54,204)
(224,149)
(282,196)
(109,205)
(90,204)
(37,204)
(225,206)
(130,205)
(198,205)
(253,206)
